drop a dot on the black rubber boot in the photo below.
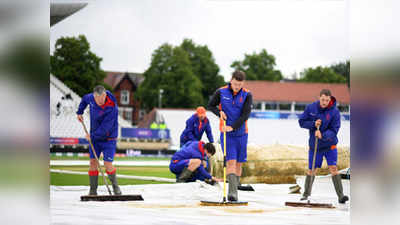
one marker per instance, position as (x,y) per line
(238,183)
(337,182)
(308,187)
(184,176)
(233,187)
(93,184)
(113,179)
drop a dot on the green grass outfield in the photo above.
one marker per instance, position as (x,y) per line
(75,179)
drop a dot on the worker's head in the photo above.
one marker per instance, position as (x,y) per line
(209,149)
(201,112)
(324,98)
(237,80)
(100,95)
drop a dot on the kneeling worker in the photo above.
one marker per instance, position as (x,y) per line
(187,162)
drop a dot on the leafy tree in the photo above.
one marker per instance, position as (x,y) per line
(170,70)
(322,75)
(204,67)
(259,66)
(342,68)
(75,65)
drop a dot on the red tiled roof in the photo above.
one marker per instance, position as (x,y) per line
(295,91)
(113,78)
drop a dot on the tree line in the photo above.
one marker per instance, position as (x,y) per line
(187,73)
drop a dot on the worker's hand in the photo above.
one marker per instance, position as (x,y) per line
(80,118)
(217,179)
(318,134)
(318,123)
(209,181)
(204,164)
(227,129)
(222,115)
(88,137)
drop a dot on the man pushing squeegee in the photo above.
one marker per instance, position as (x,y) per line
(102,138)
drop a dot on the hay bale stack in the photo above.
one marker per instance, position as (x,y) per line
(276,164)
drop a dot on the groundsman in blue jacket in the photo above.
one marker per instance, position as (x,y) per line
(232,103)
(103,133)
(322,114)
(195,127)
(187,163)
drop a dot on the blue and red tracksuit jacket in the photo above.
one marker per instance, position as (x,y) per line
(330,117)
(194,150)
(195,128)
(232,105)
(103,119)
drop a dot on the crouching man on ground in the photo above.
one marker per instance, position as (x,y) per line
(188,163)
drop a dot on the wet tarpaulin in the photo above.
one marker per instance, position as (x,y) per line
(180,204)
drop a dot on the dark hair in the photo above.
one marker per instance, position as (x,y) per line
(210,148)
(326,92)
(239,75)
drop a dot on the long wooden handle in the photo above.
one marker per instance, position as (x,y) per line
(224,199)
(97,159)
(315,153)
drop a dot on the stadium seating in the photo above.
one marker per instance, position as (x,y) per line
(63,122)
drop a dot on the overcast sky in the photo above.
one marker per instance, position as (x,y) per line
(299,33)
